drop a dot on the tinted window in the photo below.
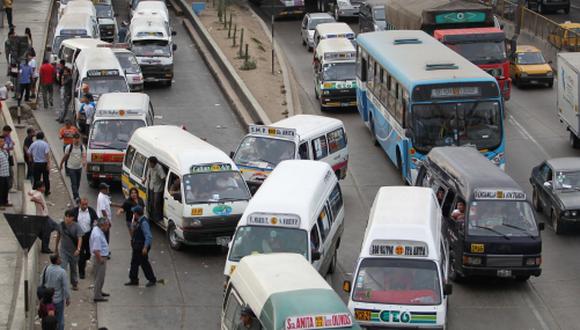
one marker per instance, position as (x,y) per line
(129,156)
(314,238)
(335,201)
(319,147)
(303,151)
(138,165)
(324,223)
(336,140)
(232,315)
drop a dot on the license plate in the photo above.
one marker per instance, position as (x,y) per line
(504,273)
(362,315)
(223,240)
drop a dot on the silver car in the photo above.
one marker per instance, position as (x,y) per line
(309,23)
(132,69)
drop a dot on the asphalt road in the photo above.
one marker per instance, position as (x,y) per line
(192,296)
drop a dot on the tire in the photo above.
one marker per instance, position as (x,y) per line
(556,223)
(373,136)
(574,141)
(522,278)
(536,200)
(333,263)
(336,16)
(174,243)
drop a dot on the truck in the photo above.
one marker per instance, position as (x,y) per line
(567,99)
(467,27)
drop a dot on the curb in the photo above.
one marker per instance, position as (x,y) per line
(249,102)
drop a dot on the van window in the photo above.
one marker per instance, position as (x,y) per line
(324,223)
(336,140)
(314,238)
(138,165)
(319,147)
(448,202)
(129,156)
(303,151)
(335,201)
(232,314)
(174,186)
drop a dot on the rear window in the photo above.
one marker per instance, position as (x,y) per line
(336,140)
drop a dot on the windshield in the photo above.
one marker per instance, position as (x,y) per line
(567,181)
(481,52)
(263,239)
(263,152)
(339,71)
(128,62)
(59,39)
(315,21)
(446,124)
(214,187)
(104,11)
(530,58)
(112,134)
(102,85)
(501,218)
(397,281)
(379,14)
(151,48)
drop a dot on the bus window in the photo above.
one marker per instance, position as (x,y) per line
(336,140)
(319,147)
(371,74)
(324,223)
(314,238)
(335,201)
(232,314)
(129,156)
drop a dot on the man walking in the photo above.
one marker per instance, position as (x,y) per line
(66,133)
(70,237)
(55,277)
(85,216)
(100,251)
(74,159)
(155,181)
(66,85)
(30,135)
(8,9)
(37,197)
(9,148)
(4,176)
(47,75)
(25,76)
(39,151)
(141,239)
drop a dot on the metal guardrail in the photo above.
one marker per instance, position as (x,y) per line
(538,25)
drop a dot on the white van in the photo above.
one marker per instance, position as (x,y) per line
(298,137)
(401,273)
(74,26)
(117,116)
(151,8)
(73,6)
(310,221)
(333,30)
(151,41)
(71,48)
(283,292)
(130,65)
(212,194)
(100,69)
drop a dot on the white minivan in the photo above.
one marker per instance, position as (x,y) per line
(400,280)
(298,209)
(333,30)
(71,48)
(298,137)
(74,26)
(204,192)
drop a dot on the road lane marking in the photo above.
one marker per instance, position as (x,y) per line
(528,136)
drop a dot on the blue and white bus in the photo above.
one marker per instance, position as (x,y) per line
(414,94)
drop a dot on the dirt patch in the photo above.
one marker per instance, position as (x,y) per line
(268,89)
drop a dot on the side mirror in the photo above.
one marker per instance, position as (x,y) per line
(550,62)
(173,33)
(447,289)
(232,154)
(346,286)
(316,255)
(548,184)
(174,47)
(541,226)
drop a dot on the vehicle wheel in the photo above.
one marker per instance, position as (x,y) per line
(373,136)
(522,278)
(336,16)
(556,223)
(536,200)
(333,264)
(172,238)
(574,141)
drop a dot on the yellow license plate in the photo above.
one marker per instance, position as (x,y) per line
(197,211)
(362,315)
(477,248)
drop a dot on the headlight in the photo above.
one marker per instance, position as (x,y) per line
(536,261)
(475,261)
(95,168)
(550,74)
(192,222)
(570,213)
(325,92)
(524,74)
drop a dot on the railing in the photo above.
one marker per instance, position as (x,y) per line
(538,25)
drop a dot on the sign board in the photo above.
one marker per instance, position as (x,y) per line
(205,168)
(490,194)
(279,220)
(281,132)
(103,73)
(460,17)
(325,321)
(441,93)
(398,248)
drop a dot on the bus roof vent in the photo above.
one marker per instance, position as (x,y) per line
(407,41)
(441,66)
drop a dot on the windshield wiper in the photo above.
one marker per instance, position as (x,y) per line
(518,228)
(492,230)
(267,161)
(229,199)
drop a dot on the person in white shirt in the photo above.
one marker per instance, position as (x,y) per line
(104,205)
(100,252)
(86,216)
(37,197)
(5,89)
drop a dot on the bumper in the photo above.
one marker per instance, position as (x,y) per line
(136,87)
(493,271)
(348,12)
(331,101)
(539,79)
(290,11)
(211,228)
(157,72)
(108,172)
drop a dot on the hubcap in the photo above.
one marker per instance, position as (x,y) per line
(173,236)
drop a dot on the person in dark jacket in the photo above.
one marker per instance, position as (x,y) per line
(141,239)
(86,217)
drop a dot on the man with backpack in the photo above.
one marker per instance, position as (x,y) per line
(74,159)
(70,237)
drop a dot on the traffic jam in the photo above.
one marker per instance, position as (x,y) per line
(429,80)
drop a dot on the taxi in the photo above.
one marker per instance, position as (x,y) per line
(528,66)
(565,35)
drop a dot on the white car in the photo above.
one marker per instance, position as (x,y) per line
(346,8)
(309,23)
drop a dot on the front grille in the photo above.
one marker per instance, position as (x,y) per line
(112,168)
(347,92)
(211,228)
(505,261)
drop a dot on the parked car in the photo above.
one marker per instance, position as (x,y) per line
(556,191)
(309,23)
(528,66)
